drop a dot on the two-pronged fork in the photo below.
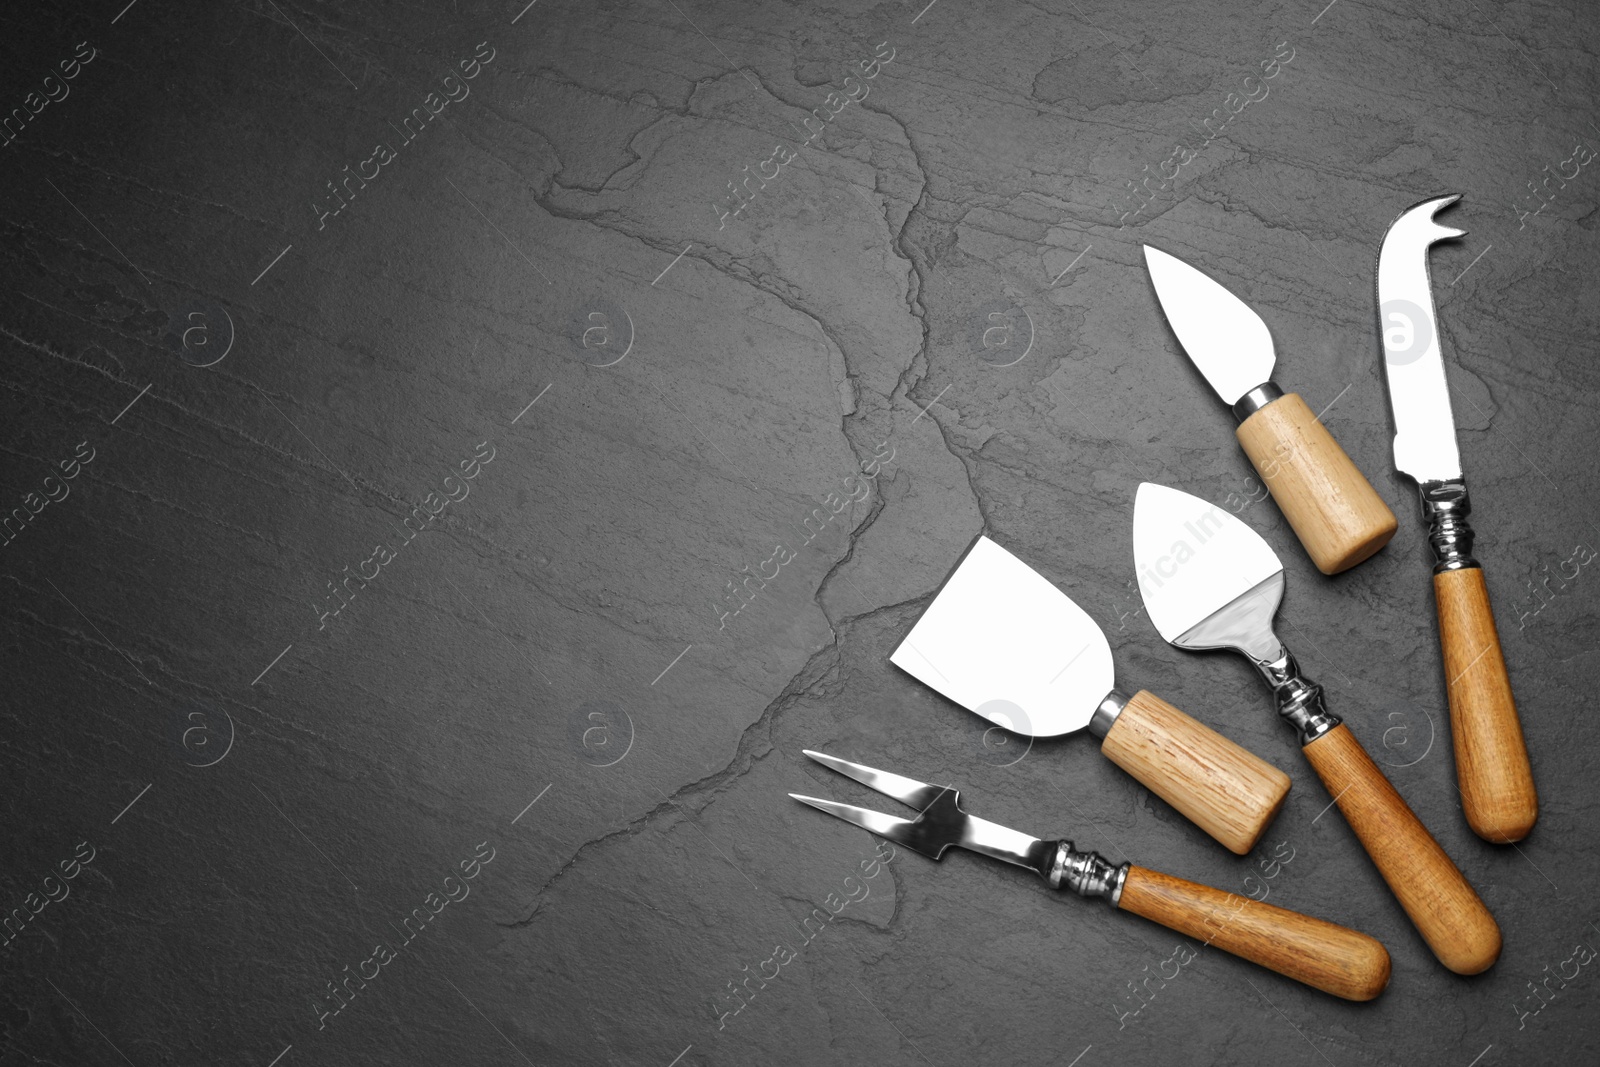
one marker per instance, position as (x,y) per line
(1321,954)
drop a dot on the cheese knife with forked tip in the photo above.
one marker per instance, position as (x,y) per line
(1492,768)
(1209,581)
(1334,511)
(1001,640)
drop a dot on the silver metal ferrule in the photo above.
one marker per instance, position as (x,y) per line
(1088,874)
(1299,698)
(1255,400)
(1105,716)
(1445,505)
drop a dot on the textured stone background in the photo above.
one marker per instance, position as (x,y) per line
(267,793)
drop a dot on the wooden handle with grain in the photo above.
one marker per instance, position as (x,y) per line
(1445,910)
(1338,516)
(1492,768)
(1228,791)
(1323,955)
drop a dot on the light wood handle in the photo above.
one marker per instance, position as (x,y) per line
(1337,515)
(1228,791)
(1442,906)
(1323,955)
(1492,768)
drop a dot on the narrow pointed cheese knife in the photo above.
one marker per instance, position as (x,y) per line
(1209,581)
(1334,511)
(1492,768)
(1000,640)
(1321,954)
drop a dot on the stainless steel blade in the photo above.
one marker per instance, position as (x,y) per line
(1000,640)
(1243,624)
(1413,361)
(1193,560)
(1222,336)
(1209,581)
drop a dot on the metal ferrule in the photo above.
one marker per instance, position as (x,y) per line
(1445,506)
(1088,874)
(1105,716)
(1299,698)
(1255,400)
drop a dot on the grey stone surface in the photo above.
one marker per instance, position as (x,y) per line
(540,675)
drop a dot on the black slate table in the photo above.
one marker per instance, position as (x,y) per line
(399,400)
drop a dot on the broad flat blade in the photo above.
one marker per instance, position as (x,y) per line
(1413,361)
(1223,337)
(1002,641)
(1193,558)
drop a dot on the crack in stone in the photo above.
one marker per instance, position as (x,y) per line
(818,666)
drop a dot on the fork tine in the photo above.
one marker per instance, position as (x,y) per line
(907,791)
(901,831)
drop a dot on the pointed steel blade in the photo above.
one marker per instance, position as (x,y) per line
(900,831)
(906,790)
(1221,335)
(1413,360)
(1193,559)
(1001,640)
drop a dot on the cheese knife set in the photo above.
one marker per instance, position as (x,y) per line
(1002,641)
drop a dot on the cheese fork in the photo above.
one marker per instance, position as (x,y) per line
(1321,954)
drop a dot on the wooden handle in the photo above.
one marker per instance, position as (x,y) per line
(1227,791)
(1442,906)
(1492,766)
(1323,955)
(1338,517)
